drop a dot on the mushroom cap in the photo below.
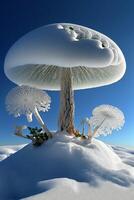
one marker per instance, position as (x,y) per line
(38,58)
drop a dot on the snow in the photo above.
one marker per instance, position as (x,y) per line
(71,190)
(6,151)
(126,155)
(68,168)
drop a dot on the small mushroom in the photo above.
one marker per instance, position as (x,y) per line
(105,119)
(52,58)
(27,100)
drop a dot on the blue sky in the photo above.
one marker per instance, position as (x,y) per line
(111,17)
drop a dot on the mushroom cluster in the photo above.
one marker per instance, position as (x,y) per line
(65,57)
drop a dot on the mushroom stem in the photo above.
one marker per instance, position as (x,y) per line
(90,134)
(21,135)
(18,131)
(39,119)
(66,118)
(83,129)
(96,129)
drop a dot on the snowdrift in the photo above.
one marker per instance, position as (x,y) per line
(63,165)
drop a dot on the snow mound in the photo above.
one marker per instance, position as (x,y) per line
(69,161)
(68,189)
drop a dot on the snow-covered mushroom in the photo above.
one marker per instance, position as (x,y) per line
(65,57)
(105,119)
(27,100)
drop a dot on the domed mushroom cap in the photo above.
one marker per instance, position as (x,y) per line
(38,58)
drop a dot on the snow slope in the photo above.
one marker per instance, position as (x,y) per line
(67,168)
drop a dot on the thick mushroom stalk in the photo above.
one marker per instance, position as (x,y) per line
(66,119)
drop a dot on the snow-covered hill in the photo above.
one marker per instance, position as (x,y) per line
(68,168)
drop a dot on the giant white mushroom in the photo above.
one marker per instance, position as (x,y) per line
(65,57)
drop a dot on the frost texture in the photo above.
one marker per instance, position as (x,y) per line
(107,118)
(79,33)
(25,99)
(76,33)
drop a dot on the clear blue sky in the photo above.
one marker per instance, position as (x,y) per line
(111,17)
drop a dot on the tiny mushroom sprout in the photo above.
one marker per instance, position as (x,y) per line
(105,119)
(83,122)
(27,100)
(65,57)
